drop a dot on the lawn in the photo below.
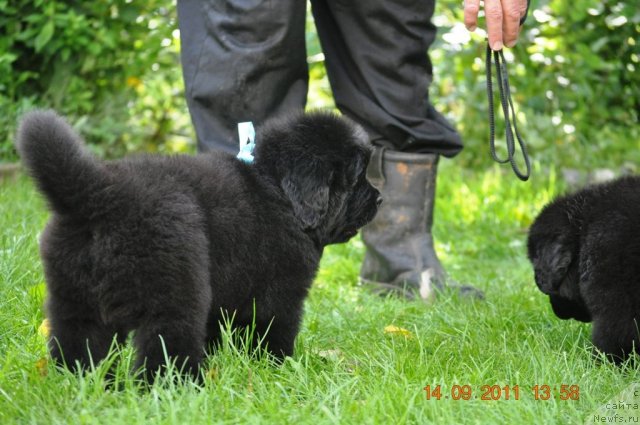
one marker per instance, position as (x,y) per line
(359,358)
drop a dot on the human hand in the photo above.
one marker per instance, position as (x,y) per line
(503,20)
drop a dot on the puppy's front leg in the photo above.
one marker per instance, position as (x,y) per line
(278,337)
(617,337)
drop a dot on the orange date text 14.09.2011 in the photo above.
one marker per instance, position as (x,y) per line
(543,392)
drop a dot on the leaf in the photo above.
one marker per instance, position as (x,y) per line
(41,366)
(45,36)
(395,330)
(134,82)
(333,355)
(213,374)
(45,328)
(8,58)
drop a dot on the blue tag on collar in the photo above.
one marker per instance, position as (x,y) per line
(247,136)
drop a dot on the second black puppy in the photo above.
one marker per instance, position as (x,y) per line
(585,251)
(165,246)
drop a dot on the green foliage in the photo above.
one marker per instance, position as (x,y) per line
(113,67)
(574,75)
(320,95)
(96,62)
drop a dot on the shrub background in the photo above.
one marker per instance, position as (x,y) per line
(113,67)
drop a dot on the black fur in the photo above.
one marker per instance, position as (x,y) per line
(585,251)
(165,246)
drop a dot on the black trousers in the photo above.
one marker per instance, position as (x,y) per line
(245,60)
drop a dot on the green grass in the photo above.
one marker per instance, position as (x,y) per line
(346,369)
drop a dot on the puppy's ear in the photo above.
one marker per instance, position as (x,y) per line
(551,265)
(308,189)
(356,167)
(559,257)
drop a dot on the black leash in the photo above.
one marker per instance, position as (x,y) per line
(511,127)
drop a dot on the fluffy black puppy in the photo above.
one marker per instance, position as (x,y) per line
(165,246)
(585,251)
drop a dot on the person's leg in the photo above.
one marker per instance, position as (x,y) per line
(242,60)
(379,70)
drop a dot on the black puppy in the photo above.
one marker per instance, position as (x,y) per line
(166,246)
(585,251)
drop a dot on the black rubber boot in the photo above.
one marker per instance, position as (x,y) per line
(400,256)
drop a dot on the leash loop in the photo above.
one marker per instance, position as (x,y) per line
(511,127)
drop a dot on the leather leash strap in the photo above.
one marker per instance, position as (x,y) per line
(511,128)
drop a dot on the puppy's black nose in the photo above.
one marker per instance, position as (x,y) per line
(379,200)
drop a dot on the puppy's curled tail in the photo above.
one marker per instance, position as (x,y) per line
(54,155)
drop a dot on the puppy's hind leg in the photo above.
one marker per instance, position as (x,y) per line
(173,288)
(172,338)
(175,327)
(78,338)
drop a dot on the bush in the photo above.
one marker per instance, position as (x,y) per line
(574,74)
(98,63)
(113,67)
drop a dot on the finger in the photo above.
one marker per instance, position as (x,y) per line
(493,16)
(523,8)
(511,13)
(471,10)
